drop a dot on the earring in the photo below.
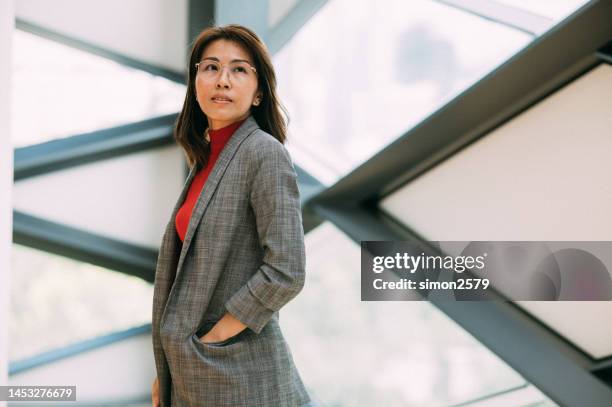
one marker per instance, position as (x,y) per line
(256,102)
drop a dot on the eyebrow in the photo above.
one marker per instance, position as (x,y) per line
(233,60)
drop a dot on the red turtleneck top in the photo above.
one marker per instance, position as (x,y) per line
(218,139)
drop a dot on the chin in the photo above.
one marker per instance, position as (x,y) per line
(225,116)
(214,114)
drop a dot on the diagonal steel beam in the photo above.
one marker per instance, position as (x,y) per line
(90,147)
(84,246)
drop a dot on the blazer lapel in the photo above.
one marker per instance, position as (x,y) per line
(245,129)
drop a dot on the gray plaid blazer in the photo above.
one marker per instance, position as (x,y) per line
(243,254)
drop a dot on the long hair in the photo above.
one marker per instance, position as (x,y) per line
(270,115)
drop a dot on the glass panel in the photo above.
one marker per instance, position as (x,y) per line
(57,301)
(360,74)
(60,91)
(278,9)
(555,9)
(354,353)
(138,187)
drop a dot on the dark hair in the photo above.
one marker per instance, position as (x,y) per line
(270,115)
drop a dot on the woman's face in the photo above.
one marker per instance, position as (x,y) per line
(226,85)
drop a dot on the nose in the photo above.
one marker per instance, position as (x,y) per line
(223,80)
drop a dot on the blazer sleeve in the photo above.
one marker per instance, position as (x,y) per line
(274,197)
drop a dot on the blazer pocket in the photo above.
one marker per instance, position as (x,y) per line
(225,342)
(207,326)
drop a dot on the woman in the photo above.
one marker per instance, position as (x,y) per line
(233,252)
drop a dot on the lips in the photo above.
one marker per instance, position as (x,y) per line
(221,99)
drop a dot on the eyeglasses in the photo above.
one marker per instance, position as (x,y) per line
(238,70)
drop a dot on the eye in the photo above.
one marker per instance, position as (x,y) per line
(211,67)
(240,69)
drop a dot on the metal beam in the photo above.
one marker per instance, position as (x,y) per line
(84,246)
(55,36)
(250,13)
(309,186)
(90,147)
(201,14)
(605,53)
(65,352)
(289,25)
(513,17)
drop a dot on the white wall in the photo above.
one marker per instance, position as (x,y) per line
(153,31)
(6,179)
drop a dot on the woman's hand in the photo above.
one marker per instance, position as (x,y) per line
(225,328)
(155,393)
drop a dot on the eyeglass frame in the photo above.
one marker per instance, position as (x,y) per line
(223,65)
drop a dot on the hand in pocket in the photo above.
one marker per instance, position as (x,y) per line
(222,332)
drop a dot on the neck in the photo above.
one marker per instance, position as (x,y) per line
(219,124)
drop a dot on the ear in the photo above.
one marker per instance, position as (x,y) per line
(258,98)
